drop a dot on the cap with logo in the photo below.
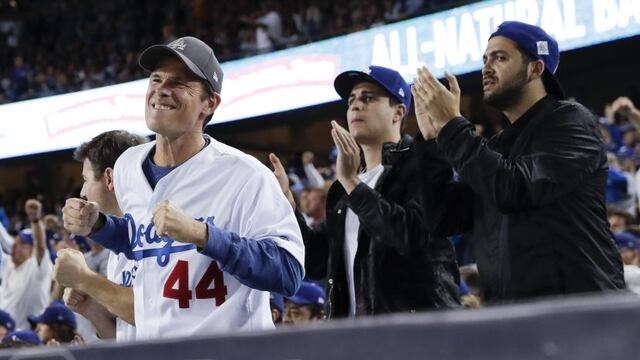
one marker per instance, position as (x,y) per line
(55,313)
(309,294)
(388,79)
(537,43)
(193,52)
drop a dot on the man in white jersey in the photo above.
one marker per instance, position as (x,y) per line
(107,303)
(208,224)
(374,247)
(26,275)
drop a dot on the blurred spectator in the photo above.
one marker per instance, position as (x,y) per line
(7,324)
(56,325)
(104,36)
(6,242)
(620,186)
(21,338)
(27,292)
(97,258)
(277,307)
(312,176)
(306,306)
(619,220)
(52,228)
(629,245)
(313,203)
(268,26)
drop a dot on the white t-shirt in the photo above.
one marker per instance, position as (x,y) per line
(25,290)
(351,230)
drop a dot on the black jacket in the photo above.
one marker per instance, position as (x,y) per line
(539,220)
(398,266)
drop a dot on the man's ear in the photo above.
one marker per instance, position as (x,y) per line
(399,113)
(212,104)
(108,178)
(536,69)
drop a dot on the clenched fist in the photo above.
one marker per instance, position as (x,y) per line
(33,208)
(70,269)
(80,216)
(76,300)
(171,221)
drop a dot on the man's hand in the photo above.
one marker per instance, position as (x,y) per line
(80,216)
(348,162)
(443,104)
(170,221)
(78,301)
(33,208)
(71,269)
(307,157)
(283,179)
(624,106)
(428,129)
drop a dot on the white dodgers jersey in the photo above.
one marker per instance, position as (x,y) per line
(179,291)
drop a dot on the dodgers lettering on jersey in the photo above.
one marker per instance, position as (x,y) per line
(139,234)
(127,277)
(179,291)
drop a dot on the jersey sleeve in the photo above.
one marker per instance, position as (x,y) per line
(114,235)
(267,252)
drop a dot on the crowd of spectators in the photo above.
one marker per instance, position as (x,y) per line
(70,45)
(63,46)
(309,182)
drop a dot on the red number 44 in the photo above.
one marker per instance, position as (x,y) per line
(180,276)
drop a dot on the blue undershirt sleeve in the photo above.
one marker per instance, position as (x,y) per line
(259,264)
(114,235)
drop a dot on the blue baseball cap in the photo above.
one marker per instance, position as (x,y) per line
(55,313)
(276,301)
(26,235)
(7,321)
(538,44)
(388,79)
(25,336)
(309,294)
(626,240)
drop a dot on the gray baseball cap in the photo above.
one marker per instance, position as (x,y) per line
(193,52)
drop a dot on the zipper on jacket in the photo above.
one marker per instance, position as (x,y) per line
(329,306)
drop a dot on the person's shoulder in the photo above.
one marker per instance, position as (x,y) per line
(134,152)
(572,110)
(239,159)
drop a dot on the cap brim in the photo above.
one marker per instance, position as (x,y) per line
(33,320)
(300,300)
(345,82)
(152,55)
(552,85)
